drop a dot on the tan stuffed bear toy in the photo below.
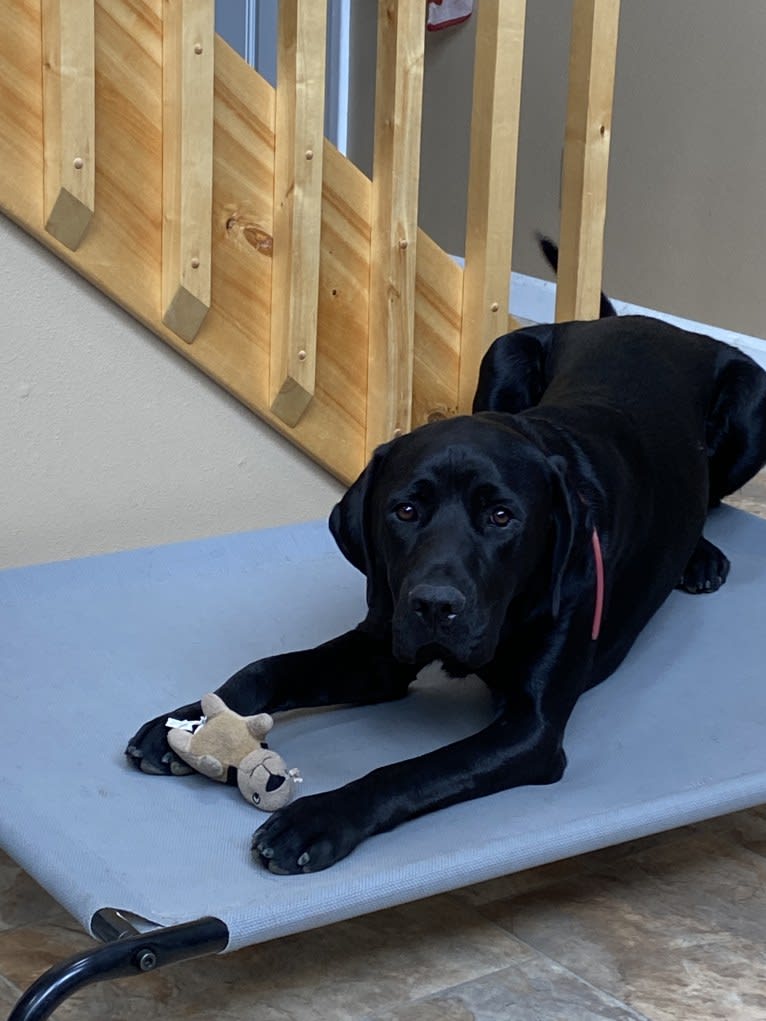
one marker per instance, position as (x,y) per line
(224,740)
(265,781)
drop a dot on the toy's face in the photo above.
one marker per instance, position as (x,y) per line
(264,780)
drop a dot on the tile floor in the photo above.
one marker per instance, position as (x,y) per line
(669,928)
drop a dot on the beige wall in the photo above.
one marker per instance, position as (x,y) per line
(110,440)
(686,230)
(686,227)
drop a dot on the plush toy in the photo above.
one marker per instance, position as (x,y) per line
(223,740)
(265,781)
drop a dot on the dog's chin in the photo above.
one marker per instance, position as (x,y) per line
(455,661)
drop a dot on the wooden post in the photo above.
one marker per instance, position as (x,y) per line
(491,183)
(298,161)
(187,167)
(592,57)
(68,118)
(396,166)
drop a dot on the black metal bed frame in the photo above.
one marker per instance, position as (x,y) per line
(125,952)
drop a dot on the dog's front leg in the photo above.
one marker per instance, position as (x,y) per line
(356,668)
(316,831)
(523,745)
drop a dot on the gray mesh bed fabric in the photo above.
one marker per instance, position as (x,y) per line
(90,648)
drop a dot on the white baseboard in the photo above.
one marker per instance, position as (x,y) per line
(535,300)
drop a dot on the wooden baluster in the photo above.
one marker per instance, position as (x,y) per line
(592,56)
(187,168)
(298,162)
(68,118)
(491,183)
(393,251)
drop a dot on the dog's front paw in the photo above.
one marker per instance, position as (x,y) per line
(149,751)
(707,569)
(308,835)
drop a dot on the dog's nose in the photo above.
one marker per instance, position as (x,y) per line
(436,604)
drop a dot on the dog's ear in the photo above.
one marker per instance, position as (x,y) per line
(351,521)
(564,529)
(347,522)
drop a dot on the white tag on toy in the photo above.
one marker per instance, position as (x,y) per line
(191,725)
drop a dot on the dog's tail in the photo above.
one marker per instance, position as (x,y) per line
(550,250)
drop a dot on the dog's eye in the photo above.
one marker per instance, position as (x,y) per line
(406,512)
(500,516)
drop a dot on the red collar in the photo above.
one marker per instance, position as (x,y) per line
(598,609)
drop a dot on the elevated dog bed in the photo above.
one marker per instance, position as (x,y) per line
(90,648)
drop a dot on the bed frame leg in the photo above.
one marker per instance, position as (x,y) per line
(126,955)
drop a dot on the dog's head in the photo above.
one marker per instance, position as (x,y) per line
(452,524)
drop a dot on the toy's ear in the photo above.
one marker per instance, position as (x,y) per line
(564,529)
(258,726)
(213,705)
(351,522)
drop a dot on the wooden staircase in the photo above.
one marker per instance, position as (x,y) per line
(144,152)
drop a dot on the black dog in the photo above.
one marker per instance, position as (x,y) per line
(529,543)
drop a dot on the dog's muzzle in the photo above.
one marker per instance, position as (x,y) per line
(436,621)
(437,606)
